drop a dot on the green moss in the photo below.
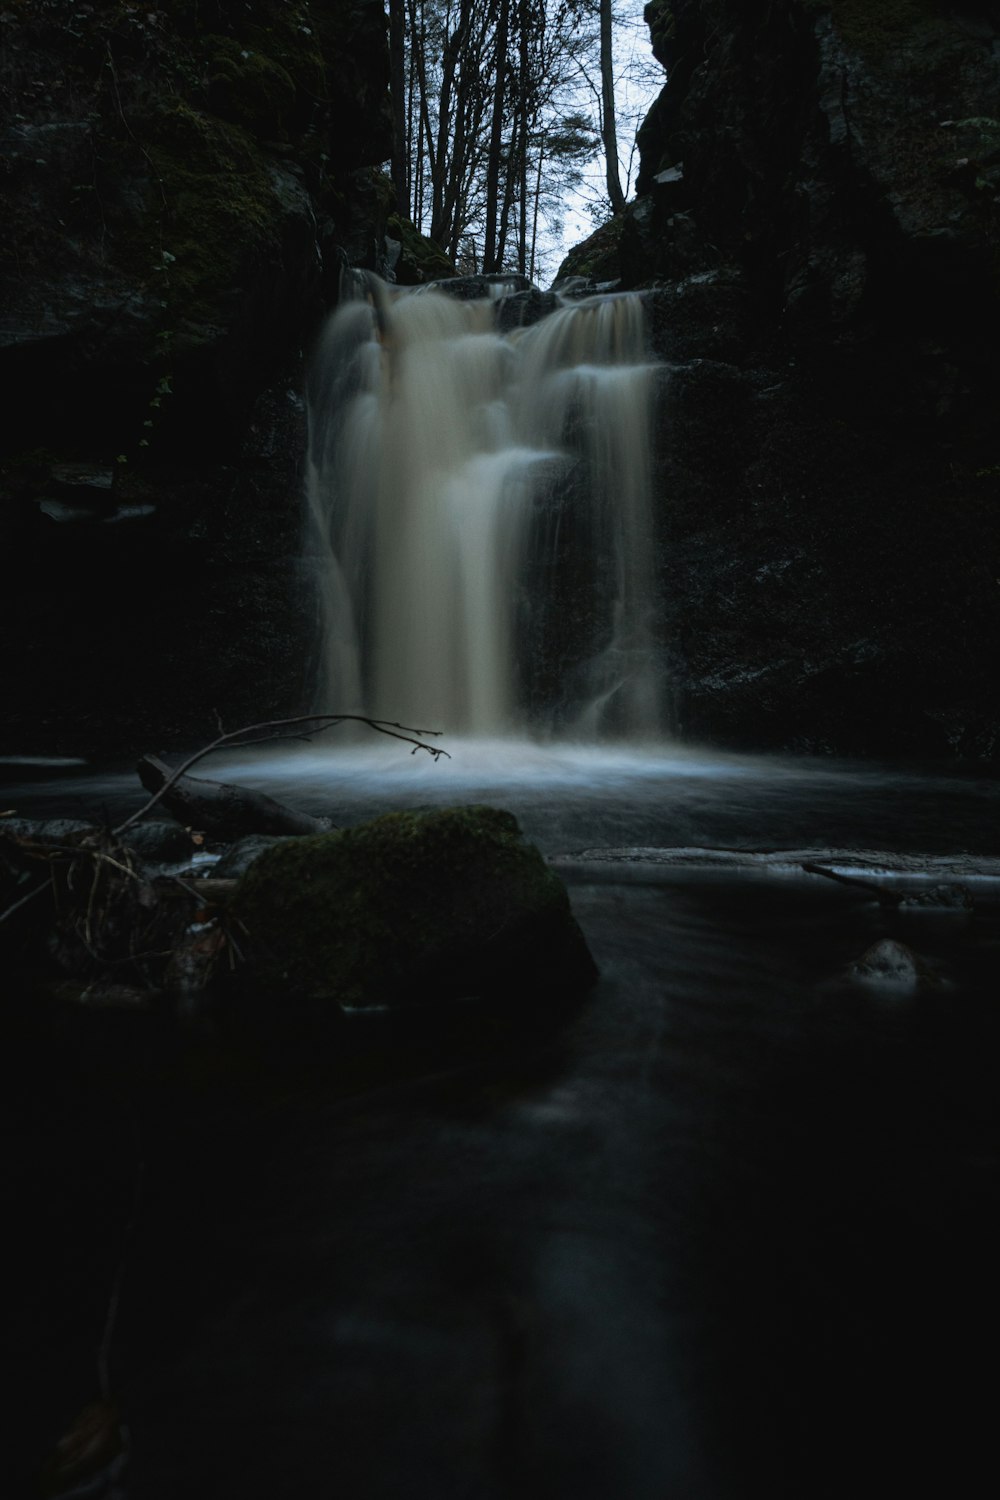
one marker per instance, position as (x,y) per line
(212,207)
(875,26)
(421,259)
(248,88)
(406,907)
(660,20)
(385,193)
(599,256)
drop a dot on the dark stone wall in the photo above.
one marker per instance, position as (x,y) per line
(181,186)
(819,222)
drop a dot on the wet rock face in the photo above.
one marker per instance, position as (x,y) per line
(178,180)
(828,148)
(818,215)
(172,176)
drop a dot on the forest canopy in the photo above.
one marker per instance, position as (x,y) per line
(501,109)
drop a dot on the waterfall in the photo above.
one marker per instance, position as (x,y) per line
(480,518)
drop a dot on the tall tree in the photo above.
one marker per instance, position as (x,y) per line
(609,130)
(484,94)
(490,260)
(397,93)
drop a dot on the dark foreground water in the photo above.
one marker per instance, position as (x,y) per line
(726,1231)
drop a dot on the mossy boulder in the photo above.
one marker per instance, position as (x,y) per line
(415,907)
(248,88)
(420,259)
(598,257)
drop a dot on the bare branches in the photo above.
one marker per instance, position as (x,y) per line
(16,905)
(101,854)
(294,728)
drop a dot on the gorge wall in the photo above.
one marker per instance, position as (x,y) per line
(820,207)
(817,222)
(181,186)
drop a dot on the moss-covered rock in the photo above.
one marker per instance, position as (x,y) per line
(247,87)
(598,257)
(411,908)
(420,259)
(876,26)
(660,20)
(174,179)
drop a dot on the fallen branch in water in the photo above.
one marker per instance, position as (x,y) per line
(286,729)
(222,809)
(885,898)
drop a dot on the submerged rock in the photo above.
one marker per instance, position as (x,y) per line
(894,969)
(944,898)
(240,856)
(412,908)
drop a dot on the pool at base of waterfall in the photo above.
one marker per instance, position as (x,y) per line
(725,1232)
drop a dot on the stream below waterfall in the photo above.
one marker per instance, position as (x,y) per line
(727,1231)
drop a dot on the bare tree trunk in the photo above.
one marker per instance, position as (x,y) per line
(491,261)
(522,156)
(508,200)
(609,133)
(397,93)
(534,217)
(418,93)
(440,227)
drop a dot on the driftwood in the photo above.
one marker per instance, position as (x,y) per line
(883,896)
(221,809)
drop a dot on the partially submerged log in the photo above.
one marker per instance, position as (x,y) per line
(221,809)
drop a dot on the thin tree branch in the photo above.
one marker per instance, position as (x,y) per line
(271,729)
(25,899)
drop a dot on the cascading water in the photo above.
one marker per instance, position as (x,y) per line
(481,519)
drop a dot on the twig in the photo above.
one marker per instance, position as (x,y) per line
(270,730)
(100,855)
(886,898)
(25,899)
(72,855)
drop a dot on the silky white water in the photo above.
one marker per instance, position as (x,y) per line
(481,524)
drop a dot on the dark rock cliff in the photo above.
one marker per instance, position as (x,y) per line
(819,211)
(180,186)
(818,220)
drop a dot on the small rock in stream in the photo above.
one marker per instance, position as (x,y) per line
(944,898)
(893,969)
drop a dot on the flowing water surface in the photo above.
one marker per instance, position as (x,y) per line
(480,519)
(726,1231)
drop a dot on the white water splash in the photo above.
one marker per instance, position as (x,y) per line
(481,520)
